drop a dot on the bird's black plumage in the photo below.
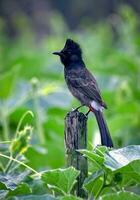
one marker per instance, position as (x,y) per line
(83,85)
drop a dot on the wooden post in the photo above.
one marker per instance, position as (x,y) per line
(76,138)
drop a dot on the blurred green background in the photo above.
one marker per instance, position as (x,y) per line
(31,78)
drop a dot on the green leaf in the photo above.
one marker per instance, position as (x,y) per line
(119,158)
(56,189)
(121,196)
(38,186)
(93,177)
(34,197)
(69,197)
(11,181)
(130,173)
(101,150)
(125,164)
(92,156)
(21,189)
(94,182)
(62,179)
(3,194)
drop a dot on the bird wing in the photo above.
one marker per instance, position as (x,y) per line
(86,84)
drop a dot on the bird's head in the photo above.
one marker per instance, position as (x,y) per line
(70,53)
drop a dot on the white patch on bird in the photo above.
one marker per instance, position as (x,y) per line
(96,106)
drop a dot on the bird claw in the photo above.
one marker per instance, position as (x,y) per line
(87,113)
(74,109)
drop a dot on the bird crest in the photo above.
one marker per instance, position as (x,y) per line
(71,45)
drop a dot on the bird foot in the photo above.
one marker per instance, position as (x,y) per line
(76,109)
(87,113)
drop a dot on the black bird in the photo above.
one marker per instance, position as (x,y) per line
(83,86)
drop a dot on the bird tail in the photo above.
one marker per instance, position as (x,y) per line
(104,131)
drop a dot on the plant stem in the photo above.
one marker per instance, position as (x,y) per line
(37,111)
(8,165)
(38,121)
(5,126)
(21,163)
(21,120)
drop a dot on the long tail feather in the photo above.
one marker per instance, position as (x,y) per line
(104,131)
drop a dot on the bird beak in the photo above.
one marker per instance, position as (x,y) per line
(57,53)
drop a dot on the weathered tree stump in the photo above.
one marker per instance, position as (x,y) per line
(76,138)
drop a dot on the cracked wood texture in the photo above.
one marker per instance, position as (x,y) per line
(76,138)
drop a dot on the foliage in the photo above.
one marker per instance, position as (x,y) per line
(112,171)
(32,152)
(18,181)
(61,180)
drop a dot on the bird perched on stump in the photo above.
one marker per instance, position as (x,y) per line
(83,86)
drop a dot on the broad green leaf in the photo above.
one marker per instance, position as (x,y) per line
(11,181)
(119,158)
(120,196)
(33,197)
(93,177)
(38,186)
(56,189)
(3,194)
(130,173)
(94,182)
(69,197)
(21,189)
(125,164)
(63,179)
(92,156)
(107,190)
(97,186)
